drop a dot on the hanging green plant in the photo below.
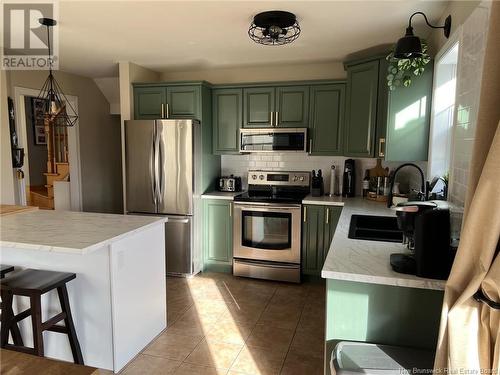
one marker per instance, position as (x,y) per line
(401,71)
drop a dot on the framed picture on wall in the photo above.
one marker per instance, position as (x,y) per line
(38,125)
(40,138)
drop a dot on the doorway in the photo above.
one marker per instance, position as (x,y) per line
(58,190)
(37,192)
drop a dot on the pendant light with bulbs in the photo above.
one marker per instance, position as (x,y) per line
(274,28)
(55,104)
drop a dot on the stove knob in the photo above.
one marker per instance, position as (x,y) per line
(254,177)
(261,177)
(301,178)
(295,178)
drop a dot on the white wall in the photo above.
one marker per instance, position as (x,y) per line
(459,11)
(261,73)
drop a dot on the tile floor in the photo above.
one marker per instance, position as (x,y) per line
(221,324)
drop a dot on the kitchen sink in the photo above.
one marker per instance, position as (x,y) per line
(375,228)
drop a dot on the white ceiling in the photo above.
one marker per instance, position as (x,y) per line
(185,35)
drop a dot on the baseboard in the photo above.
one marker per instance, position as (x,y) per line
(218,267)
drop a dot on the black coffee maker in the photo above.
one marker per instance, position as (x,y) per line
(426,230)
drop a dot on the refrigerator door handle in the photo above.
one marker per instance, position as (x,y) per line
(152,172)
(157,166)
(181,221)
(161,152)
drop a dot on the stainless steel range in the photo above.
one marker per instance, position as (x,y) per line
(267,225)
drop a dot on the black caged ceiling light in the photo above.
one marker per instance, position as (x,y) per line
(55,104)
(274,28)
(409,46)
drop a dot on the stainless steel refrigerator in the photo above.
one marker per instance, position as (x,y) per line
(163,167)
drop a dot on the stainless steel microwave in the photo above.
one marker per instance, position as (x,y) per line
(273,140)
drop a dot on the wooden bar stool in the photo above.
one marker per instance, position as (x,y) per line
(33,283)
(16,334)
(5,269)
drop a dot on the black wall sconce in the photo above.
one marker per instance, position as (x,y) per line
(409,46)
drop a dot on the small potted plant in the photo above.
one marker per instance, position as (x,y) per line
(400,72)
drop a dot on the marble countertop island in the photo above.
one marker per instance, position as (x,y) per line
(116,258)
(324,200)
(367,261)
(224,195)
(67,231)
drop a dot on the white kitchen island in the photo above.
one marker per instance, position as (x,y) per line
(118,299)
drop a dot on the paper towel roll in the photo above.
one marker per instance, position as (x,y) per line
(332,181)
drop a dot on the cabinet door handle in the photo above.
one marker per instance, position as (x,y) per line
(310,146)
(271,114)
(305,214)
(168,111)
(230,209)
(276,119)
(162,110)
(381,152)
(327,215)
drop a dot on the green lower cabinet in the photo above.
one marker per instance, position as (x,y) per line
(217,235)
(382,314)
(318,227)
(326,123)
(227,119)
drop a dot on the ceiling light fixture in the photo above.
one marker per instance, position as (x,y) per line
(409,46)
(56,105)
(274,28)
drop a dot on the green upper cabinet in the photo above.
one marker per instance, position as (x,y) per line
(218,234)
(408,119)
(258,104)
(227,119)
(318,227)
(167,101)
(326,119)
(292,106)
(361,109)
(149,102)
(386,124)
(286,106)
(183,102)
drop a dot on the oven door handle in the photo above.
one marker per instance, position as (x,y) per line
(264,263)
(267,206)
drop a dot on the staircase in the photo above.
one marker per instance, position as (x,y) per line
(43,196)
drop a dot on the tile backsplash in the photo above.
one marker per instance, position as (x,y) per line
(240,164)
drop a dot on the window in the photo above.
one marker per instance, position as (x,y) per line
(440,141)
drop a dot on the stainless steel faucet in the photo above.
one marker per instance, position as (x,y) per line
(422,194)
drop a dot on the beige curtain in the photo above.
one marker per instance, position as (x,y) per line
(469,338)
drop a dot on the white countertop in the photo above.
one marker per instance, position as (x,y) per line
(367,261)
(221,195)
(67,231)
(324,200)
